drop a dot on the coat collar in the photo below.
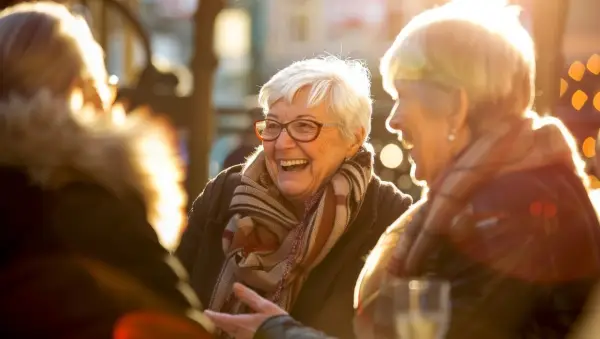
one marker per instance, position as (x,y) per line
(57,145)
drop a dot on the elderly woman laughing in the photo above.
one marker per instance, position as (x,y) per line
(506,219)
(297,220)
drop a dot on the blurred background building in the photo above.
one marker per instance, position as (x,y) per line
(253,39)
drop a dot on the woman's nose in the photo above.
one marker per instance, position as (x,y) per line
(284,140)
(394,122)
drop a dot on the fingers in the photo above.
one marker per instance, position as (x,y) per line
(250,298)
(240,326)
(226,322)
(255,301)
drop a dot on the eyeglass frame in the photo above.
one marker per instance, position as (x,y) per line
(284,126)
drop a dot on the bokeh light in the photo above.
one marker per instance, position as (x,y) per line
(563,86)
(589,147)
(577,70)
(578,100)
(404,182)
(391,156)
(593,64)
(376,146)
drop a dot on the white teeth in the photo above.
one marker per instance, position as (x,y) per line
(293,162)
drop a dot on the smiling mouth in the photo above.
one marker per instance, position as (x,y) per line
(293,165)
(406,140)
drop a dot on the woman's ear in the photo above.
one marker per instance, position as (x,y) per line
(359,139)
(460,110)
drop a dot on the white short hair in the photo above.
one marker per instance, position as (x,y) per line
(478,46)
(345,84)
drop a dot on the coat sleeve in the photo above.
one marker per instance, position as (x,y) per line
(285,327)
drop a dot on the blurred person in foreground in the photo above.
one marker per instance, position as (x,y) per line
(297,220)
(506,216)
(84,192)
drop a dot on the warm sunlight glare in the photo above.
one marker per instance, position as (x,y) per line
(76,102)
(118,115)
(168,218)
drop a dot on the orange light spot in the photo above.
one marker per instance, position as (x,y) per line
(594,182)
(563,86)
(593,64)
(589,147)
(577,70)
(536,208)
(578,100)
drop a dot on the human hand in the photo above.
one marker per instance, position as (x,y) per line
(243,326)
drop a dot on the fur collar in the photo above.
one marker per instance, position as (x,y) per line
(58,145)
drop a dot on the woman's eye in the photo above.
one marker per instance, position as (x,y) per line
(271,125)
(305,126)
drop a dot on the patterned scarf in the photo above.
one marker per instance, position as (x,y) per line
(516,145)
(268,248)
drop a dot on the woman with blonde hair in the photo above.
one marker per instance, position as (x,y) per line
(505,218)
(84,194)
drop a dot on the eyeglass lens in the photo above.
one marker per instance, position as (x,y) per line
(301,130)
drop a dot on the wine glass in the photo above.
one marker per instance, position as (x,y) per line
(415,308)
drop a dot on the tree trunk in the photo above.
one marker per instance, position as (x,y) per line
(204,65)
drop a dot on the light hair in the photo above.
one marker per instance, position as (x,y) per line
(345,84)
(478,46)
(45,47)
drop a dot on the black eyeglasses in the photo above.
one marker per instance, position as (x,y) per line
(301,130)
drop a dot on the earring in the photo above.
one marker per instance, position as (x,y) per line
(452,136)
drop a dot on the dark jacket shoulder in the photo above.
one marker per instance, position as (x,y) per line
(390,202)
(514,190)
(217,191)
(517,247)
(210,206)
(549,209)
(200,249)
